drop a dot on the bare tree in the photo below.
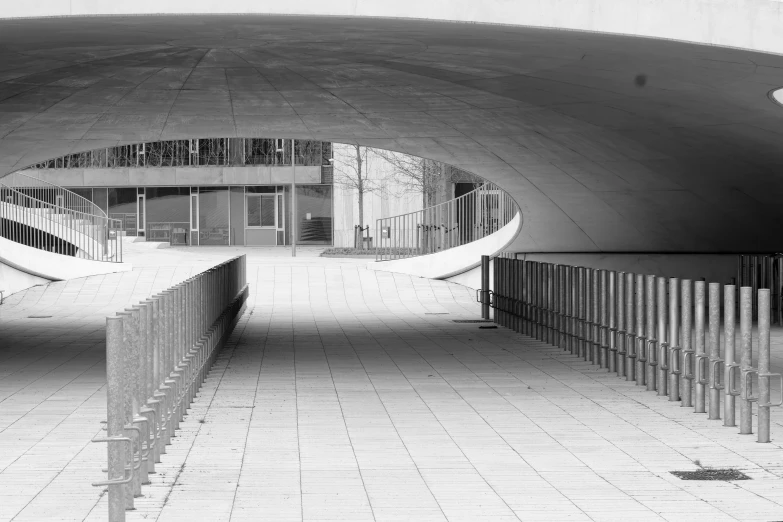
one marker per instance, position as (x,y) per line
(351,172)
(417,175)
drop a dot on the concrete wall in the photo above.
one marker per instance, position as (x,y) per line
(749,24)
(186,176)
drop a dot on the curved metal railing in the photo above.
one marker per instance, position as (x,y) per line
(456,222)
(51,193)
(52,226)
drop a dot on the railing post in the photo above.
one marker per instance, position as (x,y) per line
(120,494)
(641,348)
(630,328)
(550,303)
(688,361)
(595,317)
(730,366)
(484,287)
(613,320)
(675,346)
(582,311)
(603,324)
(701,356)
(571,312)
(662,378)
(746,368)
(764,368)
(716,363)
(652,341)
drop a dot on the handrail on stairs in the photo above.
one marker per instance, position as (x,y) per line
(48,222)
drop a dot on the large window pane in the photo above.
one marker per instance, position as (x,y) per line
(122,206)
(314,214)
(254,211)
(168,214)
(213,216)
(267,211)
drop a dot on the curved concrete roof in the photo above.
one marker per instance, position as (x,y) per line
(609,143)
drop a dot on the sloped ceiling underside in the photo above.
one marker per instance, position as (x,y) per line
(608,143)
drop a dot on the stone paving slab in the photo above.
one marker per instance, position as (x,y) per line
(348,394)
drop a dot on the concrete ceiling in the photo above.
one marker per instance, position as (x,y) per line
(608,143)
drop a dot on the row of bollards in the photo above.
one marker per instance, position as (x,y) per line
(663,334)
(157,355)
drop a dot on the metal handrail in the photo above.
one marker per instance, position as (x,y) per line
(55,228)
(49,192)
(453,223)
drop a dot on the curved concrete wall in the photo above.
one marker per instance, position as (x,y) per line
(748,24)
(455,261)
(49,266)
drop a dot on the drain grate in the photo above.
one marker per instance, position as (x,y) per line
(711,474)
(38,316)
(471,321)
(481,327)
(436,313)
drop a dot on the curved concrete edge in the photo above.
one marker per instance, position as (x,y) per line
(40,266)
(13,280)
(449,263)
(746,24)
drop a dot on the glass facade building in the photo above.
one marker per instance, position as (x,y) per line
(249,215)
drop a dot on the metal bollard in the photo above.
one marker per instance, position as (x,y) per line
(716,363)
(550,303)
(746,352)
(130,380)
(662,378)
(652,340)
(569,308)
(580,312)
(484,287)
(688,359)
(621,331)
(563,295)
(701,355)
(612,323)
(595,321)
(630,328)
(641,334)
(119,446)
(588,322)
(764,368)
(730,366)
(526,298)
(603,319)
(675,346)
(541,301)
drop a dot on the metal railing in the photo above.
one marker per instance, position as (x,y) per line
(42,190)
(157,355)
(763,271)
(661,333)
(461,220)
(39,217)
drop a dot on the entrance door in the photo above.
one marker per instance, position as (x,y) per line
(260,219)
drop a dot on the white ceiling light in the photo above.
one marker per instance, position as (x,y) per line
(777,96)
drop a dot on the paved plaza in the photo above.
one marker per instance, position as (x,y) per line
(350,394)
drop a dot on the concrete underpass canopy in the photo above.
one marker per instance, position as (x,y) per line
(609,143)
